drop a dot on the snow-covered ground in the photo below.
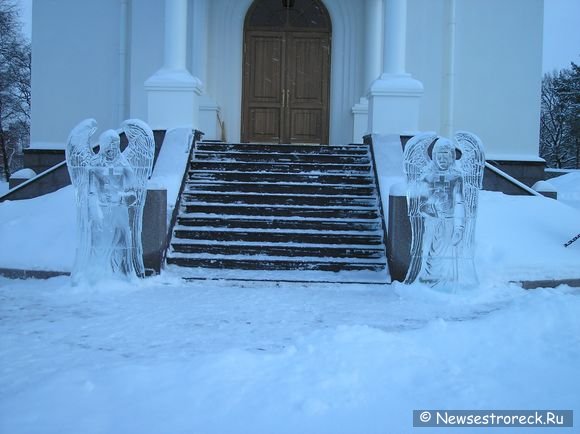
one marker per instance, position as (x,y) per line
(3,187)
(163,356)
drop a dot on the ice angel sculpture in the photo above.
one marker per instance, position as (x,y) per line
(110,194)
(443,180)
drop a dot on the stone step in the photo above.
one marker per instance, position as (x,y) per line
(282,211)
(286,178)
(287,149)
(279,188)
(279,236)
(277,249)
(280,158)
(292,209)
(241,222)
(342,169)
(276,199)
(312,264)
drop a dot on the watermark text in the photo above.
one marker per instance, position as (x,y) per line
(493,418)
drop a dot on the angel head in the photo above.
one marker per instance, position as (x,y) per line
(443,154)
(110,145)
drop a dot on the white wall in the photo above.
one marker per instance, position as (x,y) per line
(426,45)
(499,72)
(75,66)
(147,38)
(498,60)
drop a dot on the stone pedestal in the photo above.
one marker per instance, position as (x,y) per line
(154,233)
(398,235)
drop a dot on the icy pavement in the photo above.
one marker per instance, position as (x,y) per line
(164,356)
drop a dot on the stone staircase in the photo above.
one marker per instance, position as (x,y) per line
(281,213)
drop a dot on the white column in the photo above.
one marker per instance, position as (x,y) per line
(395,34)
(175,34)
(209,110)
(373,56)
(172,92)
(449,79)
(394,96)
(373,38)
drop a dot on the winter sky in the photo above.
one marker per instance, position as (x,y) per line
(561,31)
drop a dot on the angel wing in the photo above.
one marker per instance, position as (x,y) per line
(415,161)
(79,154)
(141,149)
(139,154)
(79,159)
(472,164)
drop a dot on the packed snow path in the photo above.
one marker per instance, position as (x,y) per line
(164,356)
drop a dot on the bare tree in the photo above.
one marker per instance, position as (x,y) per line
(569,90)
(15,64)
(560,117)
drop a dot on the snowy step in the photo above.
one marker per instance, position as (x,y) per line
(281,236)
(289,149)
(282,211)
(278,249)
(292,209)
(299,276)
(274,178)
(320,168)
(303,188)
(280,158)
(241,222)
(277,264)
(276,199)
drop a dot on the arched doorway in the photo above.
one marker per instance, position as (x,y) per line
(286,72)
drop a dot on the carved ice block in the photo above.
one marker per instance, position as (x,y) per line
(110,188)
(443,182)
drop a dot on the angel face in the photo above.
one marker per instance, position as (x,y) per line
(110,145)
(443,154)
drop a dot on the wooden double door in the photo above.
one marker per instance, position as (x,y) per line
(286,80)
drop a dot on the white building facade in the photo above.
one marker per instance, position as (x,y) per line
(393,66)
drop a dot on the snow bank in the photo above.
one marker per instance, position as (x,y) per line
(568,188)
(522,238)
(39,233)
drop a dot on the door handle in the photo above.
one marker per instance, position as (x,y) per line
(287,97)
(283,98)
